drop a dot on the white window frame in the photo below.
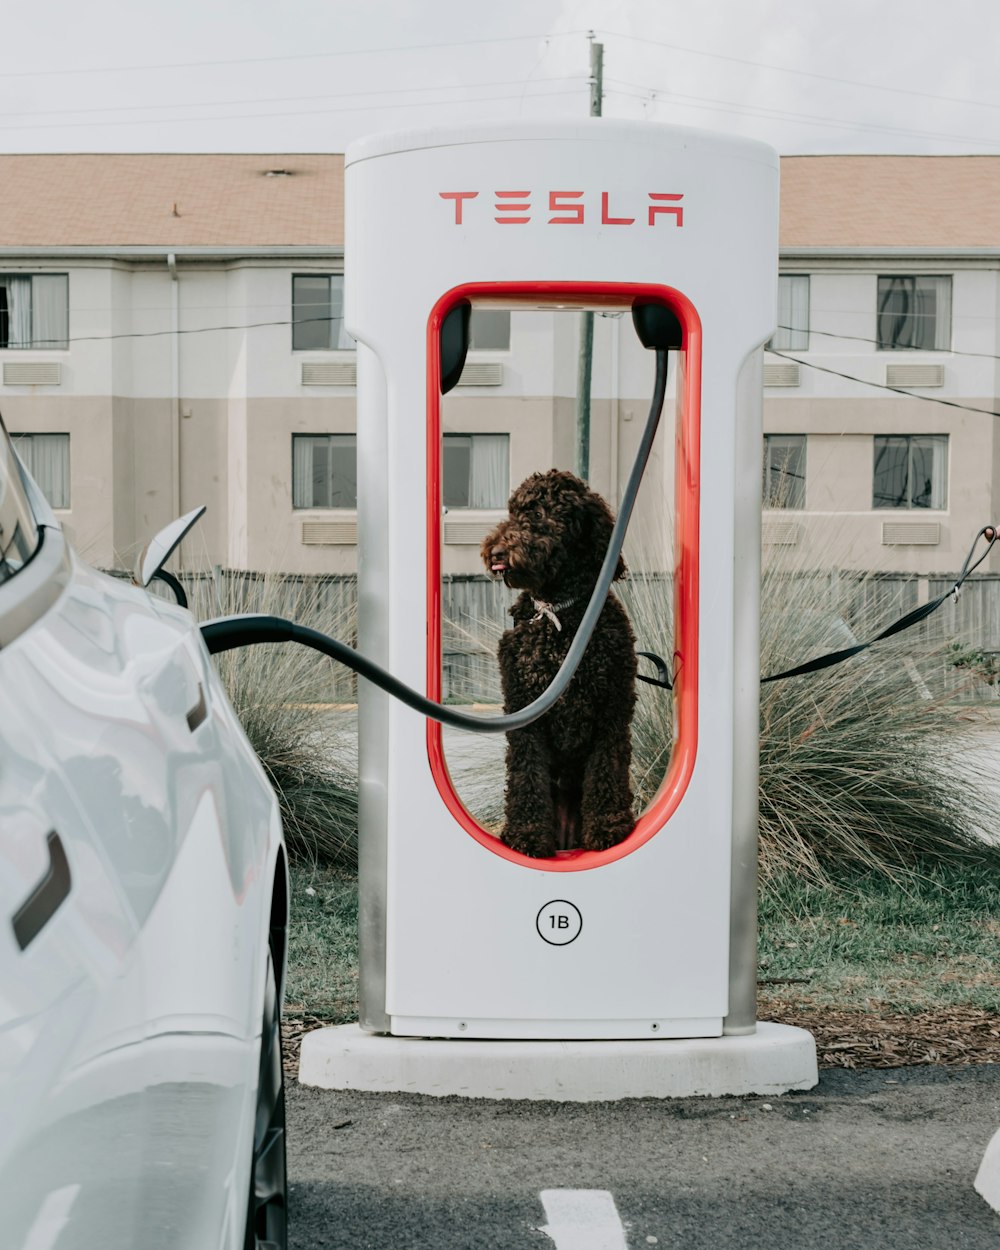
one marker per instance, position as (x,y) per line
(337,338)
(915,444)
(303,445)
(24,314)
(489,479)
(899,338)
(47,459)
(792,333)
(778,451)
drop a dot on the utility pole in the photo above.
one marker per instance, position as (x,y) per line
(585,363)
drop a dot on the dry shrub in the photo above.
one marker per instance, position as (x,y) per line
(287,697)
(868,764)
(871,764)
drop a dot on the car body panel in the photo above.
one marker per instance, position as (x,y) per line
(130,1001)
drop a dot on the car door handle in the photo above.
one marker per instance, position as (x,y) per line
(200,710)
(46,898)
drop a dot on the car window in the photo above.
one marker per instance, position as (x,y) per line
(18,532)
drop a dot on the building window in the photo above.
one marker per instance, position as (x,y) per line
(476,470)
(911,471)
(793,313)
(489,330)
(324,471)
(46,457)
(914,313)
(318,313)
(784,471)
(34,310)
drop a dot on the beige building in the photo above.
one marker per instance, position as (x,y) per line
(890,290)
(171,334)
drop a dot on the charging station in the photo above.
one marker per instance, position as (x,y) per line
(654,939)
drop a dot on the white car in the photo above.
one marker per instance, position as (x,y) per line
(143,911)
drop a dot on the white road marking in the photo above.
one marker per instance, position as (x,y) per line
(582,1219)
(52,1218)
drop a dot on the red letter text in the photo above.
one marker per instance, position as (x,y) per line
(458,197)
(575,210)
(676,209)
(508,208)
(607,219)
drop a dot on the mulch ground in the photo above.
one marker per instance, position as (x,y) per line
(857,1039)
(844,1039)
(293,1029)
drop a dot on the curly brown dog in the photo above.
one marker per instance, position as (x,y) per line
(568,772)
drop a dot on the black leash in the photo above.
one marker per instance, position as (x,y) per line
(989,532)
(662,677)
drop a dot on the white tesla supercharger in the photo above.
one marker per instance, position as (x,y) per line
(462,937)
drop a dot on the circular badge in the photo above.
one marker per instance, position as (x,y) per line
(559,922)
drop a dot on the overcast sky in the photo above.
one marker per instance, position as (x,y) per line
(311,75)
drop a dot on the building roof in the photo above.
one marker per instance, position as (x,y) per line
(159,199)
(890,201)
(289,200)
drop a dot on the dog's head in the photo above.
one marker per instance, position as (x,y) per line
(554,539)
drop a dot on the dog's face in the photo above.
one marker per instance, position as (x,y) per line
(554,539)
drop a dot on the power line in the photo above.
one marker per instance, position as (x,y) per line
(463,43)
(883,386)
(785,69)
(752,110)
(857,338)
(270,60)
(52,344)
(361,108)
(808,364)
(343,95)
(259,325)
(755,110)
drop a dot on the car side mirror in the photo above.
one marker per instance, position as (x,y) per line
(160,548)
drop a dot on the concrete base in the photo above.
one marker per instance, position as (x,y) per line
(774,1060)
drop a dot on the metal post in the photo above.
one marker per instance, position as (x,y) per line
(584,370)
(742,1015)
(596,76)
(585,364)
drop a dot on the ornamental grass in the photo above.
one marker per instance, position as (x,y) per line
(288,698)
(883,763)
(879,763)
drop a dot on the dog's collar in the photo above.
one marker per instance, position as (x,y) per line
(542,608)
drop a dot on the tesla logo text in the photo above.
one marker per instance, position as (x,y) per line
(565,208)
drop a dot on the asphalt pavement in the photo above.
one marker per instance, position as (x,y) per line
(866,1159)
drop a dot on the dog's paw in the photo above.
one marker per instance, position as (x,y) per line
(600,837)
(538,843)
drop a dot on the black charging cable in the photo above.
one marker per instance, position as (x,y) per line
(227,632)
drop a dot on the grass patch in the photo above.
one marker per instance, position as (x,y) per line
(860,943)
(323,944)
(923,941)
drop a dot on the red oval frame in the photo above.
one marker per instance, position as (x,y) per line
(687,497)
